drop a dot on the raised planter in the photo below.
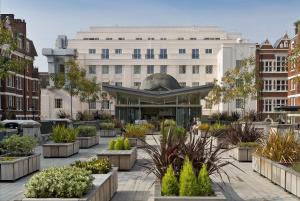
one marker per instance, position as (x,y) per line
(217,197)
(243,154)
(108,133)
(137,142)
(60,150)
(123,159)
(216,141)
(87,142)
(19,167)
(104,188)
(279,174)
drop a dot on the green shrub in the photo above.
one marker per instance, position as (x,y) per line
(16,145)
(169,185)
(63,182)
(135,131)
(119,145)
(86,131)
(62,134)
(111,145)
(96,166)
(127,145)
(188,185)
(204,182)
(107,126)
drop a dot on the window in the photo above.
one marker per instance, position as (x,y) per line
(267,105)
(92,69)
(293,101)
(280,102)
(105,69)
(180,38)
(209,69)
(118,51)
(137,69)
(182,84)
(239,103)
(281,63)
(33,85)
(122,38)
(58,103)
(267,66)
(105,104)
(136,54)
(181,51)
(119,84)
(108,38)
(92,105)
(105,83)
(151,39)
(137,84)
(267,85)
(182,69)
(163,69)
(150,69)
(281,85)
(195,84)
(193,38)
(208,51)
(150,54)
(195,53)
(92,51)
(118,69)
(138,38)
(196,69)
(163,38)
(238,63)
(105,54)
(163,54)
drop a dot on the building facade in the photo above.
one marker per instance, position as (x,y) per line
(20,91)
(271,61)
(125,56)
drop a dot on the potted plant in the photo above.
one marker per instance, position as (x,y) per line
(87,136)
(136,134)
(64,143)
(244,139)
(177,167)
(218,133)
(120,154)
(20,159)
(107,129)
(277,158)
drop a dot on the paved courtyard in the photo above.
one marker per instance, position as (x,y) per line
(135,185)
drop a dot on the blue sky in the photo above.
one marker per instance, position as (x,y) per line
(255,19)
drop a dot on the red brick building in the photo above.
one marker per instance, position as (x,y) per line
(273,77)
(20,91)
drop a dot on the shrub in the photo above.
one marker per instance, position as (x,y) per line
(188,185)
(2,127)
(135,131)
(62,134)
(217,130)
(96,166)
(119,145)
(204,182)
(111,145)
(84,116)
(296,167)
(127,145)
(86,131)
(148,126)
(107,126)
(16,145)
(168,122)
(62,182)
(282,148)
(169,185)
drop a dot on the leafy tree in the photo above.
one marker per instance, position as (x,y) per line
(214,96)
(90,91)
(188,185)
(169,185)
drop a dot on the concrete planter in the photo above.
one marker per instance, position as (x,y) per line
(60,150)
(243,154)
(108,133)
(216,141)
(87,142)
(123,159)
(158,197)
(279,174)
(104,188)
(137,142)
(19,167)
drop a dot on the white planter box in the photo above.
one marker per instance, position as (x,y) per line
(108,133)
(243,154)
(19,167)
(137,142)
(60,150)
(87,142)
(104,188)
(123,159)
(219,196)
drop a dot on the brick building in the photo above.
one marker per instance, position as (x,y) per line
(273,77)
(20,91)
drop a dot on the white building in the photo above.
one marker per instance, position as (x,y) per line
(125,56)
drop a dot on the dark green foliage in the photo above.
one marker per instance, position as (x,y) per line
(169,184)
(204,182)
(188,185)
(86,131)
(96,166)
(16,145)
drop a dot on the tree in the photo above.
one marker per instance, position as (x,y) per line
(214,96)
(71,80)
(90,91)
